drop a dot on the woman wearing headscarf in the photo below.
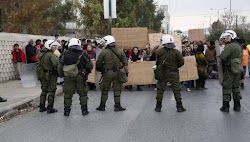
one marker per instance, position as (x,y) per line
(202,67)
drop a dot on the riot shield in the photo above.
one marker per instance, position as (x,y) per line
(28,75)
(219,63)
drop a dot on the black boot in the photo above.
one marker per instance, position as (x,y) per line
(85,110)
(225,107)
(2,99)
(67,111)
(42,108)
(158,106)
(118,107)
(101,107)
(139,88)
(180,107)
(50,109)
(242,86)
(237,106)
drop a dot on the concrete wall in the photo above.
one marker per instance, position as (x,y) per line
(7,40)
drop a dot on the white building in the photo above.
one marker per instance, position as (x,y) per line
(166,20)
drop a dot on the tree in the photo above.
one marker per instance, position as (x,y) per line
(35,17)
(231,21)
(216,29)
(130,13)
(92,17)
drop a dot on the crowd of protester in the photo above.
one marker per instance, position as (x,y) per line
(32,49)
(205,58)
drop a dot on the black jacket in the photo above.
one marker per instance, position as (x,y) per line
(30,52)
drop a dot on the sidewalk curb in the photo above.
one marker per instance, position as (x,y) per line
(15,110)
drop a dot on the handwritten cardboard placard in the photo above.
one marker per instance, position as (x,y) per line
(154,39)
(127,38)
(92,75)
(189,70)
(141,73)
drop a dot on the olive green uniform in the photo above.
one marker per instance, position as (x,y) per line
(173,61)
(49,62)
(76,84)
(108,63)
(231,81)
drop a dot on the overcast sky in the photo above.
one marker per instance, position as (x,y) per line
(188,14)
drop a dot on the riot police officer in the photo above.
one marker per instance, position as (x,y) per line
(169,60)
(49,62)
(75,65)
(231,59)
(109,62)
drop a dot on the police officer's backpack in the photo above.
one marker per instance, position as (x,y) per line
(159,72)
(72,70)
(40,73)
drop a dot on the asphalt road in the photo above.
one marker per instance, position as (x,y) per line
(202,122)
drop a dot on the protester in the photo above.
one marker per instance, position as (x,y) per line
(92,56)
(90,51)
(19,58)
(135,57)
(201,65)
(153,55)
(94,50)
(210,56)
(245,56)
(42,45)
(248,48)
(62,48)
(145,56)
(186,53)
(195,47)
(183,50)
(38,44)
(30,51)
(57,38)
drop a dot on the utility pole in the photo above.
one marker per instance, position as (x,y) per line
(230,8)
(236,23)
(210,18)
(110,18)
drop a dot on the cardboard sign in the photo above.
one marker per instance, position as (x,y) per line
(92,75)
(141,73)
(127,38)
(154,39)
(189,70)
(196,34)
(177,42)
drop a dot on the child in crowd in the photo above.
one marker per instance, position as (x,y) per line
(187,52)
(19,58)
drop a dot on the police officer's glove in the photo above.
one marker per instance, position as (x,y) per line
(127,74)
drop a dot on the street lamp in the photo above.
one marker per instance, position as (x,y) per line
(210,18)
(219,12)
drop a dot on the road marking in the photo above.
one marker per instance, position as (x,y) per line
(245,108)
